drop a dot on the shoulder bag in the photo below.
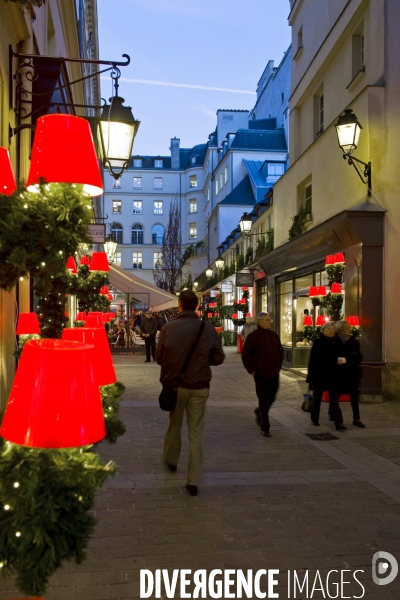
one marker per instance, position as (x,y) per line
(308,400)
(169,395)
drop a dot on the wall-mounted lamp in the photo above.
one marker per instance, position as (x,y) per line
(219,263)
(209,273)
(110,248)
(245,224)
(348,131)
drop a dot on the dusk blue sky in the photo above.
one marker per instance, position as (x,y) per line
(223,44)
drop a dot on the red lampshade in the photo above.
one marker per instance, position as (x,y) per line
(234,316)
(63,152)
(209,314)
(336,288)
(85,260)
(81,316)
(112,315)
(7,180)
(313,291)
(71,265)
(104,290)
(106,317)
(99,262)
(104,368)
(109,296)
(353,321)
(307,320)
(320,320)
(94,319)
(339,258)
(51,405)
(330,259)
(248,314)
(321,290)
(245,287)
(28,323)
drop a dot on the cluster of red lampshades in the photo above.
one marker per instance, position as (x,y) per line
(235,315)
(321,320)
(242,301)
(320,290)
(97,262)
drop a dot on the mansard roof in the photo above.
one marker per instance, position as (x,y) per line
(257,139)
(241,194)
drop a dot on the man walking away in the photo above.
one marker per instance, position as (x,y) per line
(148,331)
(174,344)
(262,357)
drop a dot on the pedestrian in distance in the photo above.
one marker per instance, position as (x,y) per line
(247,328)
(121,336)
(176,339)
(148,331)
(348,371)
(321,374)
(262,356)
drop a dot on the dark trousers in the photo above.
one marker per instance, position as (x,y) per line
(150,344)
(353,393)
(335,411)
(266,391)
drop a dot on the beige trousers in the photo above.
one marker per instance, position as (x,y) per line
(194,401)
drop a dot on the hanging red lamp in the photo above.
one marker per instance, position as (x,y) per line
(103,364)
(112,315)
(28,324)
(353,321)
(321,290)
(245,287)
(104,290)
(99,262)
(71,265)
(320,321)
(234,316)
(51,405)
(330,260)
(73,159)
(81,316)
(313,291)
(7,180)
(85,260)
(336,288)
(94,319)
(307,321)
(339,258)
(248,314)
(109,297)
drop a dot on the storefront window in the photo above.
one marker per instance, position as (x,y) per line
(286,308)
(303,283)
(262,300)
(303,307)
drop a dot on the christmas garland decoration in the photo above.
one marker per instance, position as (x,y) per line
(46,496)
(242,306)
(110,397)
(86,287)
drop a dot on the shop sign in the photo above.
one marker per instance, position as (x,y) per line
(244,279)
(227,288)
(214,293)
(97,233)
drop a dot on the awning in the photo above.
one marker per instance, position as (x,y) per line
(127,283)
(166,305)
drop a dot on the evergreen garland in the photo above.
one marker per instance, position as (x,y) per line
(86,287)
(110,397)
(23,338)
(242,306)
(45,496)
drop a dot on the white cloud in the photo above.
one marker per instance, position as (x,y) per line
(183,85)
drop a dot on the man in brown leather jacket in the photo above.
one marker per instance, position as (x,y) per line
(262,357)
(176,339)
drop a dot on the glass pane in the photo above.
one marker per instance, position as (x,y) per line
(303,307)
(285,287)
(286,318)
(303,283)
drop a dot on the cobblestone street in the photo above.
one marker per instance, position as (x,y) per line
(287,503)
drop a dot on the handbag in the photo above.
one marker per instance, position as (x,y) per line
(308,402)
(169,394)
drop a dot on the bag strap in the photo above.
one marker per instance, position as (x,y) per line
(191,352)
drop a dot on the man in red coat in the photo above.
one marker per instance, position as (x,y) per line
(262,357)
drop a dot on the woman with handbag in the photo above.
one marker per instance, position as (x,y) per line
(322,372)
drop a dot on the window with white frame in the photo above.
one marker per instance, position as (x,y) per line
(318,115)
(137,183)
(158,183)
(192,181)
(157,234)
(118,258)
(137,162)
(275,170)
(137,234)
(116,232)
(208,194)
(157,260)
(158,208)
(193,205)
(193,230)
(226,174)
(137,207)
(216,186)
(221,180)
(158,163)
(117,206)
(137,260)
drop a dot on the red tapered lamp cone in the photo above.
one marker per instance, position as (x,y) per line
(339,258)
(104,290)
(7,180)
(330,260)
(73,159)
(313,291)
(85,260)
(320,321)
(28,323)
(336,288)
(104,367)
(81,316)
(99,262)
(51,405)
(94,319)
(71,265)
(353,321)
(307,321)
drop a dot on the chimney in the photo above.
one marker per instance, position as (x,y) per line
(175,153)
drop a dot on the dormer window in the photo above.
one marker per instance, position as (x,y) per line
(158,163)
(138,162)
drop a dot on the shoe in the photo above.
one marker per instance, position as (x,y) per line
(192,489)
(340,427)
(171,467)
(315,423)
(146,360)
(265,433)
(258,416)
(358,423)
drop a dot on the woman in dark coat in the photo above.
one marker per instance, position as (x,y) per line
(322,372)
(348,371)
